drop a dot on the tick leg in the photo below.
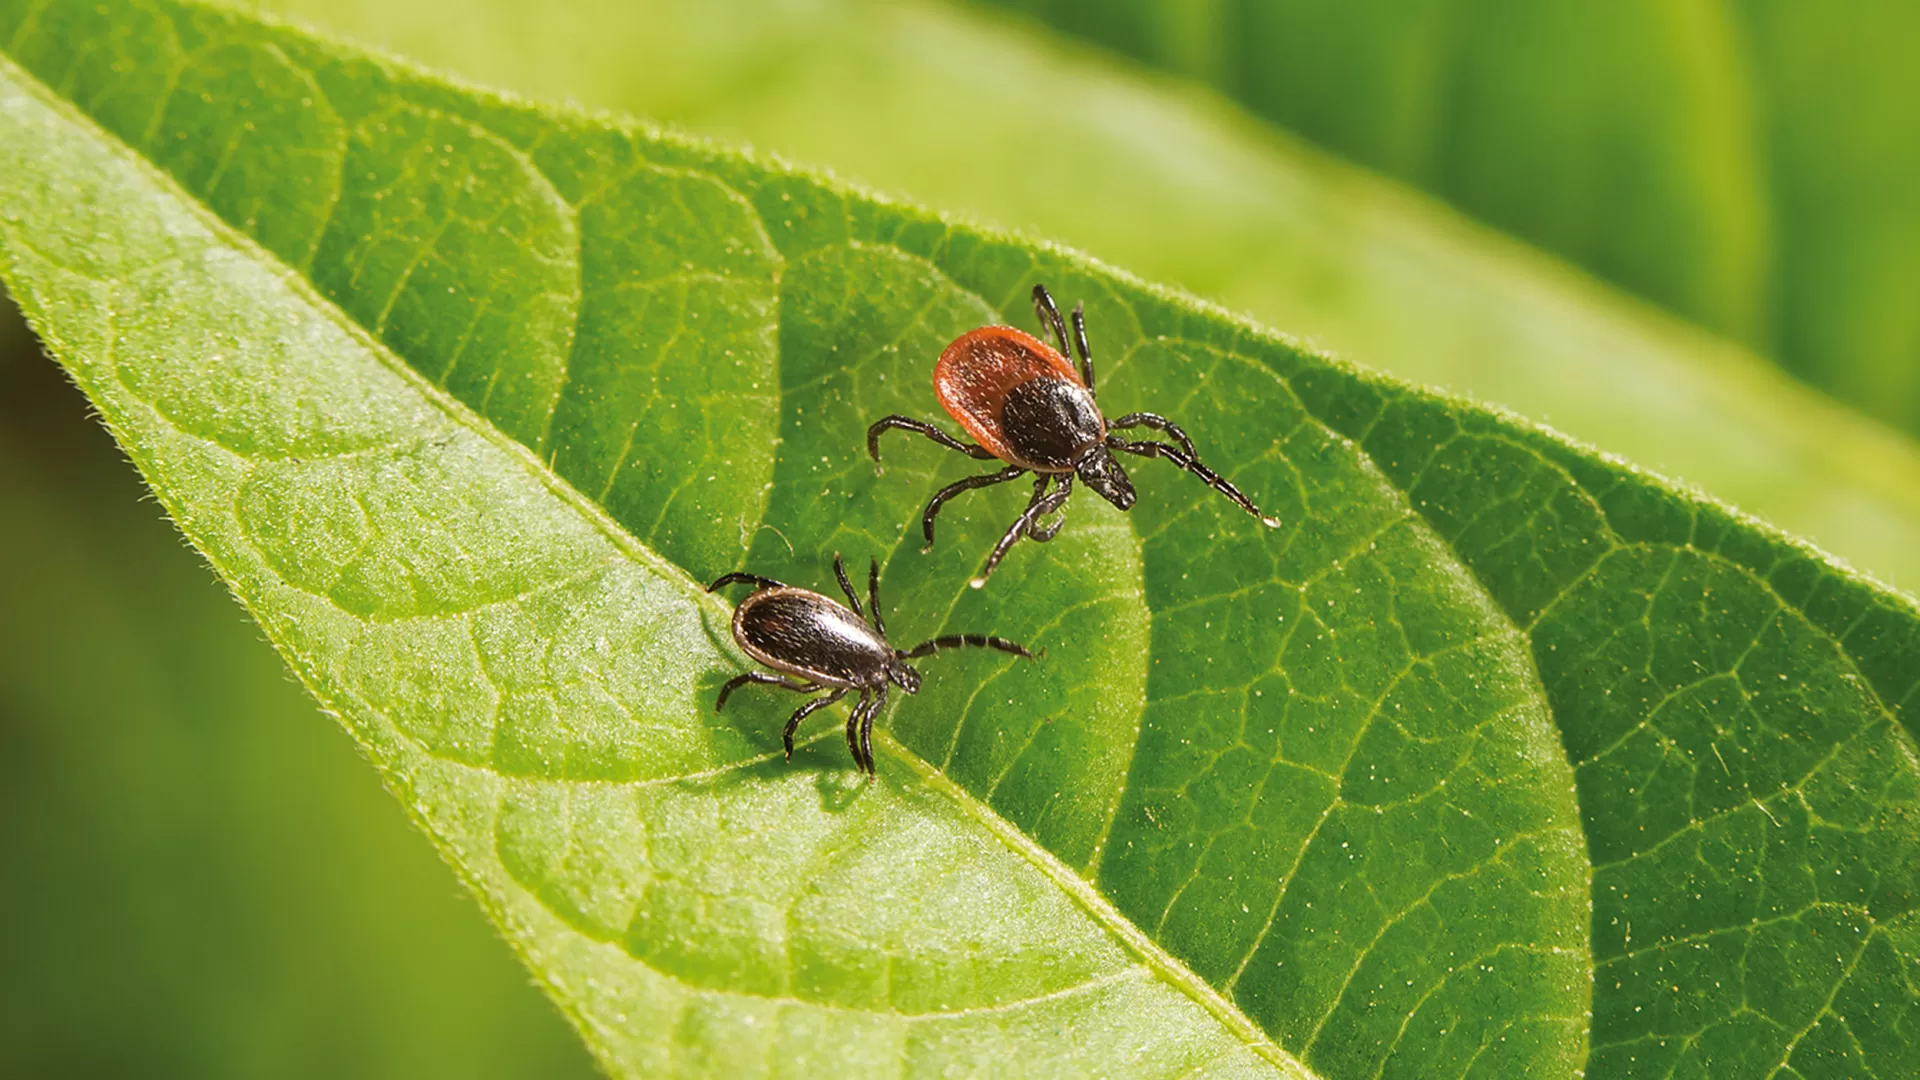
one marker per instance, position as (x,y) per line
(921,427)
(1042,533)
(1080,339)
(764,679)
(1218,482)
(1040,507)
(1049,316)
(804,711)
(1158,423)
(866,728)
(840,571)
(736,578)
(853,730)
(873,597)
(955,641)
(940,497)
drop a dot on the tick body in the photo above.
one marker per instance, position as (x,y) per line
(1019,399)
(1025,404)
(818,644)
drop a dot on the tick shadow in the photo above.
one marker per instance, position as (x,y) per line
(752,722)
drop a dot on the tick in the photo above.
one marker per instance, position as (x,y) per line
(824,645)
(1025,404)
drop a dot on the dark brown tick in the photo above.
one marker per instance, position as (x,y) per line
(826,646)
(1024,403)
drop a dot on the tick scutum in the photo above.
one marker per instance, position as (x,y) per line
(1050,423)
(803,633)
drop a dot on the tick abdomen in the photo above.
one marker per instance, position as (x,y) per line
(984,370)
(803,633)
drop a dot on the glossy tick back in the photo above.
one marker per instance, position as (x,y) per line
(824,645)
(1025,404)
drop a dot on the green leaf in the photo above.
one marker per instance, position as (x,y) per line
(1498,757)
(1753,166)
(1193,192)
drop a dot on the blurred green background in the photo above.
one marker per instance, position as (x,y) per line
(202,879)
(1753,165)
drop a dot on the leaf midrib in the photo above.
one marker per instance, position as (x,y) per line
(1097,907)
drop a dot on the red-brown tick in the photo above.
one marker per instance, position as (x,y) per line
(827,647)
(1024,403)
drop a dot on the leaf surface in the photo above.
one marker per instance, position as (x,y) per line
(1471,767)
